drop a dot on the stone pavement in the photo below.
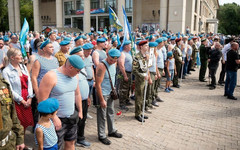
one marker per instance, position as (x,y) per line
(192,117)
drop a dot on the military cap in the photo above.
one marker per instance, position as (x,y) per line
(101,40)
(67,39)
(50,33)
(153,44)
(150,38)
(189,38)
(114,53)
(77,38)
(173,38)
(48,106)
(5,39)
(177,40)
(200,35)
(147,37)
(164,35)
(113,40)
(143,42)
(87,46)
(120,30)
(126,42)
(76,50)
(64,43)
(84,37)
(137,43)
(90,33)
(203,40)
(58,38)
(13,34)
(100,32)
(1,38)
(194,38)
(45,43)
(159,40)
(169,36)
(165,39)
(169,54)
(76,61)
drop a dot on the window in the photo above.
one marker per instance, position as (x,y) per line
(95,4)
(196,3)
(68,7)
(67,21)
(111,3)
(195,23)
(128,6)
(80,4)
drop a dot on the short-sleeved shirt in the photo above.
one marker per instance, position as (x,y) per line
(232,56)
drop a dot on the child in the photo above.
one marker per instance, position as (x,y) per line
(45,135)
(171,69)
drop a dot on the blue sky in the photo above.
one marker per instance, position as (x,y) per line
(221,2)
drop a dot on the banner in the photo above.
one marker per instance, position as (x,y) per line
(113,19)
(23,37)
(92,11)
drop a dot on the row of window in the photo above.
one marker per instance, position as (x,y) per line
(69,8)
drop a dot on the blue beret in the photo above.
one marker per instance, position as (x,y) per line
(150,38)
(114,53)
(75,34)
(50,33)
(113,40)
(13,34)
(67,39)
(88,46)
(200,35)
(144,34)
(1,38)
(58,37)
(64,43)
(126,42)
(137,43)
(139,39)
(84,37)
(77,38)
(100,32)
(5,39)
(120,30)
(101,40)
(168,36)
(153,44)
(45,43)
(90,33)
(173,38)
(48,106)
(76,61)
(189,38)
(75,50)
(164,39)
(159,40)
(169,54)
(147,37)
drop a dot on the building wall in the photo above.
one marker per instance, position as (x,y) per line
(47,8)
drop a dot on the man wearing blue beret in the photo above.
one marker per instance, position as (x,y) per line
(62,54)
(125,66)
(56,46)
(99,54)
(62,84)
(103,87)
(78,41)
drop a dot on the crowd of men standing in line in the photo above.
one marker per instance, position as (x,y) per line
(70,67)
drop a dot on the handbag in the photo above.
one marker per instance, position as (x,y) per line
(113,93)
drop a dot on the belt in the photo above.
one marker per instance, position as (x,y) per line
(4,141)
(90,79)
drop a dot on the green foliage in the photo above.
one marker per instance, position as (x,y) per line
(4,15)
(229,19)
(26,11)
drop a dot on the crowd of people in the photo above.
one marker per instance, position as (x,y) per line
(64,73)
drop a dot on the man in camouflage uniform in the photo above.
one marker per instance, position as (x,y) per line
(62,54)
(194,54)
(140,72)
(11,132)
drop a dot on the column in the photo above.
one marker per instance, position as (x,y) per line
(86,17)
(216,28)
(17,16)
(137,11)
(177,15)
(96,23)
(36,15)
(198,15)
(190,9)
(163,14)
(59,14)
(120,11)
(11,18)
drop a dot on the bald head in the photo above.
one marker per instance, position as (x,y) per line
(234,46)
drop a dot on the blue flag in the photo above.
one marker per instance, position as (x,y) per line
(127,33)
(23,37)
(113,19)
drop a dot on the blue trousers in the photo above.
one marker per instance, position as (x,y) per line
(230,82)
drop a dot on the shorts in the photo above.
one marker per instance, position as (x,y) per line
(171,73)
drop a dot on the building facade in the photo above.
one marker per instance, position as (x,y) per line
(175,15)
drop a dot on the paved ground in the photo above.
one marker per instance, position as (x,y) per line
(192,117)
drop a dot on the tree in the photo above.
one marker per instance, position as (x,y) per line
(229,19)
(26,11)
(4,15)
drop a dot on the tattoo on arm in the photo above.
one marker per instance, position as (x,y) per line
(99,72)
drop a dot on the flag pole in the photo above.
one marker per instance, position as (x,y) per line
(144,98)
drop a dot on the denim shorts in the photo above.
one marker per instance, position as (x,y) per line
(171,73)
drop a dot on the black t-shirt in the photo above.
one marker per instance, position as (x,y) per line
(232,56)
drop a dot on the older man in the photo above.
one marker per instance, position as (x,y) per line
(62,54)
(62,84)
(56,46)
(103,87)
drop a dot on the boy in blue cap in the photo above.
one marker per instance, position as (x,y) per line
(45,134)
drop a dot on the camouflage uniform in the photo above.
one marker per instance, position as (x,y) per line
(9,124)
(178,62)
(124,88)
(194,55)
(61,58)
(140,71)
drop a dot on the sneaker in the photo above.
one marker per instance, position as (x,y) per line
(154,103)
(167,90)
(115,134)
(158,99)
(89,116)
(105,141)
(170,89)
(83,143)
